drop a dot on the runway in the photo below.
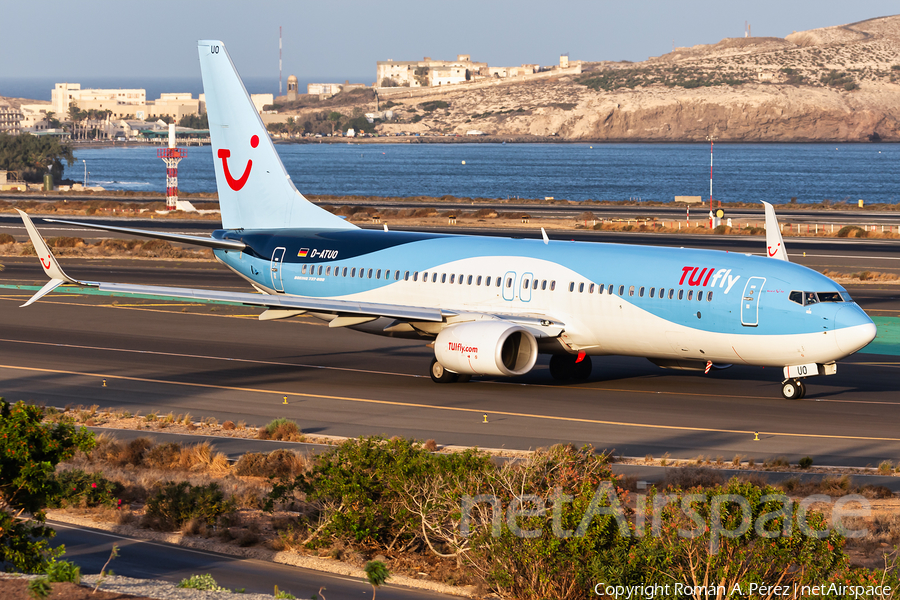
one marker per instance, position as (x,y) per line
(218,360)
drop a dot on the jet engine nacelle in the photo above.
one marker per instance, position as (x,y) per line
(486,348)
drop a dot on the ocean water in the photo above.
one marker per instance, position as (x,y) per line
(659,172)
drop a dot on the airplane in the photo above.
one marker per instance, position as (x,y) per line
(488,305)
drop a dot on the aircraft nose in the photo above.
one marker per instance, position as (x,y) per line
(853,329)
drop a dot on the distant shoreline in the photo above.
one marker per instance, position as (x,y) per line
(490,139)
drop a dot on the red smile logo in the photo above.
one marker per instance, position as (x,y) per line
(237,184)
(771,252)
(46,266)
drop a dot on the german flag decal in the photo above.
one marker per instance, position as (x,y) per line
(303,252)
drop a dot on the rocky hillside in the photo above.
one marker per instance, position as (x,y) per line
(834,84)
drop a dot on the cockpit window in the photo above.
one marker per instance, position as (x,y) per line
(830,297)
(808,298)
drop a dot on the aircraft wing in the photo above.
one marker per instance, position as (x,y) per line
(160,235)
(278,306)
(283,302)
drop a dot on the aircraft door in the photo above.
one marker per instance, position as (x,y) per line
(525,287)
(750,301)
(277,259)
(509,285)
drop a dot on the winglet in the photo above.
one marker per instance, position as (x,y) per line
(48,261)
(774,241)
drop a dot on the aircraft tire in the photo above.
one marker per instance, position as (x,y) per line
(463,378)
(802,387)
(439,374)
(791,389)
(562,367)
(582,370)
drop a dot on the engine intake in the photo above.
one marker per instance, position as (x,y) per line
(486,348)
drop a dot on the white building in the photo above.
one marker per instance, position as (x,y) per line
(64,94)
(318,89)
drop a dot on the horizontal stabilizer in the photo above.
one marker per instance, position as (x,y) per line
(161,235)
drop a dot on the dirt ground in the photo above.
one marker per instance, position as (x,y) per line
(17,589)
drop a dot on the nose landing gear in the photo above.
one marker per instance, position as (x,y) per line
(793,389)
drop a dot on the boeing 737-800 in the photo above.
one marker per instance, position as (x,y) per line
(491,305)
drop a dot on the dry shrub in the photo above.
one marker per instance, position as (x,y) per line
(228,425)
(431,445)
(65,242)
(875,492)
(134,451)
(280,463)
(194,526)
(690,477)
(164,456)
(201,457)
(281,429)
(247,538)
(5,238)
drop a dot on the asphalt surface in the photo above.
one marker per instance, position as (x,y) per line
(90,549)
(215,360)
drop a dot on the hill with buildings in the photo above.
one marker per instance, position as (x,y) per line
(838,83)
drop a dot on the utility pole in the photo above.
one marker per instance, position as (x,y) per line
(711,139)
(279,60)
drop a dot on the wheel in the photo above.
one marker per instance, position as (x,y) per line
(439,374)
(583,369)
(802,387)
(562,367)
(791,389)
(463,378)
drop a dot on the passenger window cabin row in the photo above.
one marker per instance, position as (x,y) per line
(489,281)
(660,293)
(426,276)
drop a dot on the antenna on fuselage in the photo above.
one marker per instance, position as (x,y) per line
(544,235)
(774,241)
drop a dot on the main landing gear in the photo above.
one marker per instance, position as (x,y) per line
(564,367)
(441,375)
(793,389)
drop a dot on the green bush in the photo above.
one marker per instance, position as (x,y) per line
(178,502)
(29,453)
(77,488)
(40,587)
(63,570)
(360,490)
(851,231)
(202,582)
(805,462)
(280,429)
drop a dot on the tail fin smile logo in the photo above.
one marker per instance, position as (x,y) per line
(237,184)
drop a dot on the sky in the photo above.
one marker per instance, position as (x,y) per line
(335,40)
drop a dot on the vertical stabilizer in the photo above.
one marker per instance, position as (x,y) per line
(774,241)
(255,192)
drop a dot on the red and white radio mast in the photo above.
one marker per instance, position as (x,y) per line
(171,156)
